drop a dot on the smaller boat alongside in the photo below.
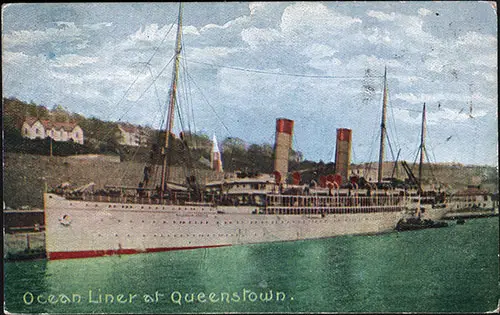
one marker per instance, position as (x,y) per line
(418,224)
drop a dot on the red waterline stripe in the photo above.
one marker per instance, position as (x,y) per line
(110,252)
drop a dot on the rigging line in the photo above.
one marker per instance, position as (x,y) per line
(128,169)
(394,124)
(149,60)
(429,142)
(375,136)
(189,105)
(390,146)
(280,73)
(188,87)
(155,88)
(144,92)
(206,100)
(189,169)
(433,176)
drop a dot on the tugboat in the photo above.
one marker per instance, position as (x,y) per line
(418,224)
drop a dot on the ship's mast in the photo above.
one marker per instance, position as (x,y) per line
(422,149)
(382,130)
(172,100)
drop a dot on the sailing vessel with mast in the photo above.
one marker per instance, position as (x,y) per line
(83,223)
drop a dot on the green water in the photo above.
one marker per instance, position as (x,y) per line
(453,269)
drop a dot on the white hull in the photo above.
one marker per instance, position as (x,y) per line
(102,228)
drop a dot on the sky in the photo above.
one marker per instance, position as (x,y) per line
(243,65)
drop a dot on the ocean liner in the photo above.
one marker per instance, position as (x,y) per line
(239,210)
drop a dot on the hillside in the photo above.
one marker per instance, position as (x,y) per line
(25,175)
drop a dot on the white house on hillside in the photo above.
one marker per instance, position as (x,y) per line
(132,135)
(34,128)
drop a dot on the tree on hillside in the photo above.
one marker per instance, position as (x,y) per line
(102,135)
(59,114)
(14,113)
(42,112)
(260,158)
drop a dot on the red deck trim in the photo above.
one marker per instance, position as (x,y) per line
(110,252)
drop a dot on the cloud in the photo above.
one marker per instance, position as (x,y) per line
(256,37)
(71,60)
(474,39)
(307,17)
(442,96)
(444,115)
(65,32)
(152,33)
(424,12)
(319,51)
(97,26)
(210,54)
(490,60)
(381,16)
